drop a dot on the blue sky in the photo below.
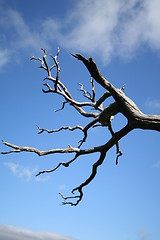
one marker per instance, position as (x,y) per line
(122,202)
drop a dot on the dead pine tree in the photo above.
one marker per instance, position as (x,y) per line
(100,117)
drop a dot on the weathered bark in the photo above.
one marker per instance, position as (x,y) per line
(101,117)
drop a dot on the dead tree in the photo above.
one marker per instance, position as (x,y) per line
(100,117)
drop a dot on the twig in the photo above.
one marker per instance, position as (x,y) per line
(40,130)
(63,105)
(58,68)
(64,164)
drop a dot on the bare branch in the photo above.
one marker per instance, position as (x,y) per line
(87,94)
(63,105)
(38,152)
(65,164)
(101,100)
(100,117)
(72,197)
(65,93)
(85,183)
(39,59)
(58,68)
(85,130)
(40,130)
(119,153)
(93,90)
(103,149)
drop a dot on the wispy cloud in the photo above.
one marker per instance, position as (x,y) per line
(21,171)
(17,36)
(105,28)
(114,27)
(14,233)
(5,56)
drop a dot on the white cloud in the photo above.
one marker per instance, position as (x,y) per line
(21,171)
(16,32)
(17,36)
(104,28)
(152,23)
(111,28)
(5,56)
(12,166)
(14,233)
(94,22)
(25,172)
